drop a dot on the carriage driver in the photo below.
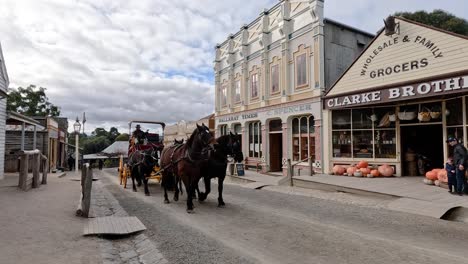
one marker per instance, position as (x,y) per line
(139,135)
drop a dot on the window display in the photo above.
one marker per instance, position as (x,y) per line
(303,138)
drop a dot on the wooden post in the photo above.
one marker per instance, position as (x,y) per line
(86,186)
(36,164)
(311,167)
(290,172)
(45,169)
(23,173)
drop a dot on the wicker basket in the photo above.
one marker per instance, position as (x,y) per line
(406,115)
(435,115)
(424,116)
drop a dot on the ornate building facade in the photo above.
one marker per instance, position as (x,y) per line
(269,78)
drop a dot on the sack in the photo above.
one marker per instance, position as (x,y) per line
(424,116)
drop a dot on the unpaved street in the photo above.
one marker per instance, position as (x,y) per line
(261,226)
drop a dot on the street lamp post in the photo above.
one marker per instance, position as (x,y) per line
(77,127)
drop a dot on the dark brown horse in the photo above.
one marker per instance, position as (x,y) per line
(141,164)
(183,162)
(228,145)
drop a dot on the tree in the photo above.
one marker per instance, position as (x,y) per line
(100,132)
(95,144)
(440,19)
(31,101)
(122,137)
(113,134)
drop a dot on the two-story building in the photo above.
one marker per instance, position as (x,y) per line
(269,78)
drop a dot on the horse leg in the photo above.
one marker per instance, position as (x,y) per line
(176,192)
(202,196)
(220,192)
(189,186)
(164,183)
(132,173)
(145,181)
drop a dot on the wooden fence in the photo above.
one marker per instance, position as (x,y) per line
(25,182)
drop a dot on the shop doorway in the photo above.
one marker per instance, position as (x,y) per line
(276,151)
(421,148)
(276,145)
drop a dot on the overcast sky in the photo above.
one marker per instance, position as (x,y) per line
(120,60)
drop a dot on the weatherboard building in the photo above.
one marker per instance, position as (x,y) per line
(269,78)
(404,95)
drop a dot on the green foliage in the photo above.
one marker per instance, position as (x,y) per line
(31,101)
(95,144)
(122,137)
(440,19)
(113,134)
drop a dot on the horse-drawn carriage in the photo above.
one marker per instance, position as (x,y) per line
(144,149)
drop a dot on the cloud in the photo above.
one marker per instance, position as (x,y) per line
(119,60)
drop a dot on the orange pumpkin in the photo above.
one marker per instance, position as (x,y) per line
(386,170)
(442,176)
(338,170)
(351,170)
(375,173)
(365,171)
(362,164)
(431,175)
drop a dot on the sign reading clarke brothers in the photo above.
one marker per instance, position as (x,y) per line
(423,89)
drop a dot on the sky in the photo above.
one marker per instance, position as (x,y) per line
(121,60)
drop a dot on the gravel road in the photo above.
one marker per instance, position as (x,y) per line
(268,226)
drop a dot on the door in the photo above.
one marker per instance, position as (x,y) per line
(276,151)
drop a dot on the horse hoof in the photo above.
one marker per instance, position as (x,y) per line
(221,205)
(190,211)
(166,201)
(147,194)
(134,190)
(176,199)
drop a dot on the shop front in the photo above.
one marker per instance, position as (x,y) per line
(399,101)
(271,135)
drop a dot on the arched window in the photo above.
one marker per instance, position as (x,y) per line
(223,130)
(303,139)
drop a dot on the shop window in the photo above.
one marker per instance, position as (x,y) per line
(238,130)
(385,143)
(341,144)
(341,119)
(223,130)
(275,78)
(454,112)
(255,140)
(303,138)
(358,133)
(238,91)
(362,118)
(362,144)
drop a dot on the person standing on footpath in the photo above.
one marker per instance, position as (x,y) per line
(451,175)
(459,158)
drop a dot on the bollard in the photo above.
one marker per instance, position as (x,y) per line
(86,186)
(311,167)
(290,172)
(23,174)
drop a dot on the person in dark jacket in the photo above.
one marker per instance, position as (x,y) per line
(459,158)
(451,172)
(100,164)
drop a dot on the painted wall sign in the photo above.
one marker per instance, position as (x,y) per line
(295,109)
(418,90)
(404,66)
